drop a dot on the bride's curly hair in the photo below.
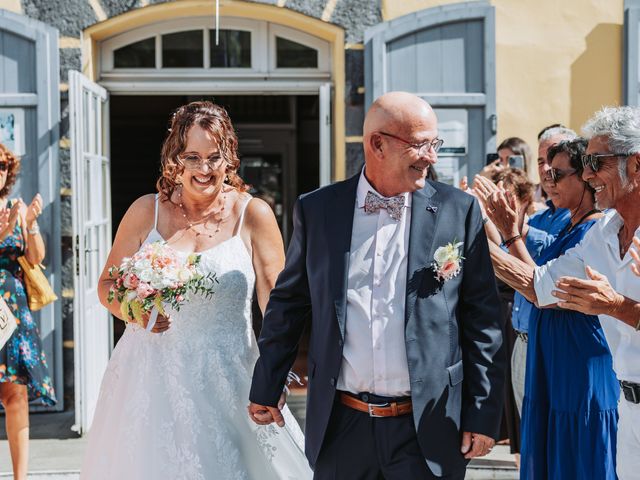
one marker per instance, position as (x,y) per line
(208,116)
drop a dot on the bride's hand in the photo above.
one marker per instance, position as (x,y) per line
(162,323)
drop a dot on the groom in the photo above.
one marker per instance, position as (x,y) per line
(405,358)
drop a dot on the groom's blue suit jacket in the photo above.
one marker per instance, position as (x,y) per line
(453,329)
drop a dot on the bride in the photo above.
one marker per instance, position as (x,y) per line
(173,405)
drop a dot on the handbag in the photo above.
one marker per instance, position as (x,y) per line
(39,292)
(8,323)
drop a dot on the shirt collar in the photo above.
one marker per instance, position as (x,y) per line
(551,205)
(364,187)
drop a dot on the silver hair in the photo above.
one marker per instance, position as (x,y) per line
(555,131)
(621,125)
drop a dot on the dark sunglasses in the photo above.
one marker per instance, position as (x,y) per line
(4,166)
(556,174)
(592,160)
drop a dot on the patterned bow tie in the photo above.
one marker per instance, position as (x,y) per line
(394,205)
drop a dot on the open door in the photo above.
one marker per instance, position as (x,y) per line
(92,239)
(30,123)
(325,134)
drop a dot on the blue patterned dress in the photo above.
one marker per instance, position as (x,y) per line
(22,359)
(569,414)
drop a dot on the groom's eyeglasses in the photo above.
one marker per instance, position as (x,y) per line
(420,148)
(195,162)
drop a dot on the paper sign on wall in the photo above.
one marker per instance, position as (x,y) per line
(453,128)
(12,130)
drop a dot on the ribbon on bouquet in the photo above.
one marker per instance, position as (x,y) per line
(153,317)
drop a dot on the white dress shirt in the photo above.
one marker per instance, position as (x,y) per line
(374,355)
(599,249)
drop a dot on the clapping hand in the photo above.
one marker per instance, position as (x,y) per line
(635,254)
(8,219)
(34,210)
(499,205)
(264,415)
(593,296)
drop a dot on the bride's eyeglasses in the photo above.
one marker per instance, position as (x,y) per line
(195,162)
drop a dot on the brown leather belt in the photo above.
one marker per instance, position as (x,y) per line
(391,409)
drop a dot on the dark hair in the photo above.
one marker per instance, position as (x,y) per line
(517,146)
(549,127)
(574,149)
(215,120)
(13,168)
(516,180)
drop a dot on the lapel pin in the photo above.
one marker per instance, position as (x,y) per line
(432,208)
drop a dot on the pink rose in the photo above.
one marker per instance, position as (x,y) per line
(131,281)
(144,290)
(449,268)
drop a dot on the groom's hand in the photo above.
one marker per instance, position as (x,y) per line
(264,415)
(476,444)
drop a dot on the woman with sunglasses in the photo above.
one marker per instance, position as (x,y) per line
(569,418)
(24,374)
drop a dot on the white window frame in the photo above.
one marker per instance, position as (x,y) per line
(258,32)
(322,47)
(263,50)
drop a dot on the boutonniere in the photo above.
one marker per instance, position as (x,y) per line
(448,260)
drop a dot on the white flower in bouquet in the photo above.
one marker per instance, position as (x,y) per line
(154,277)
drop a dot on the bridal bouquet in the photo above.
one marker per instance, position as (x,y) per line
(156,277)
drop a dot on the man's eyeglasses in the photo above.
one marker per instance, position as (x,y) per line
(4,166)
(555,174)
(194,162)
(420,148)
(592,160)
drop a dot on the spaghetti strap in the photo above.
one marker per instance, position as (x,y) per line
(155,222)
(241,219)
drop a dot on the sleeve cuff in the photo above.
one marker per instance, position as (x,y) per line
(544,284)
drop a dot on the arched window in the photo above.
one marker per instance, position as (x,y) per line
(243,46)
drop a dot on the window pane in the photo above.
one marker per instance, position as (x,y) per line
(233,49)
(141,54)
(294,55)
(182,49)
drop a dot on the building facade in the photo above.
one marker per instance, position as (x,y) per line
(90,84)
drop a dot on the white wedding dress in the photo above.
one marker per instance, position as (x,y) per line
(173,406)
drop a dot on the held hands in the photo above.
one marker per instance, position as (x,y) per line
(592,297)
(476,444)
(263,415)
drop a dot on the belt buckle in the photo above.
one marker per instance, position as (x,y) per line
(370,406)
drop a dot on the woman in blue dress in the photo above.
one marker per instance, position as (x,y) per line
(569,418)
(24,374)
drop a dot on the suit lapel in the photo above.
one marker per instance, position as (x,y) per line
(425,213)
(339,223)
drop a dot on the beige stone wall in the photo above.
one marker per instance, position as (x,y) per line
(556,61)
